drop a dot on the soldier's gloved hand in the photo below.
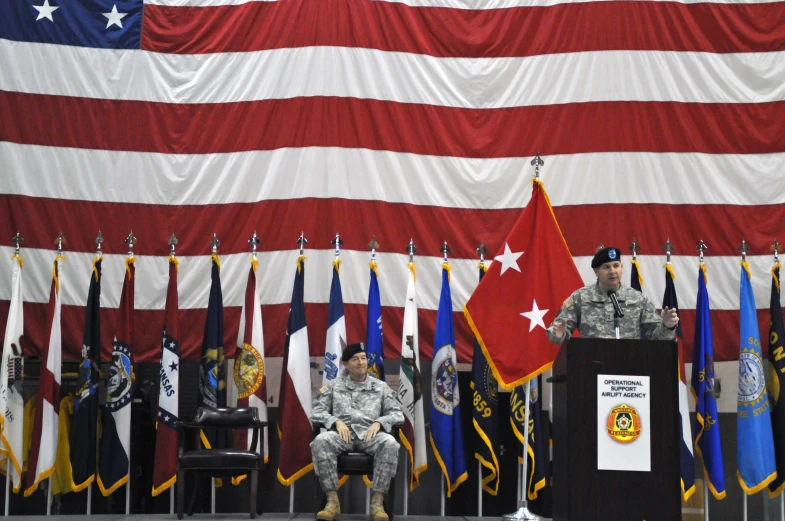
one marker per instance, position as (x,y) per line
(670,318)
(372,430)
(559,328)
(343,431)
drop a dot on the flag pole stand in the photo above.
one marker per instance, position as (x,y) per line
(406,481)
(523,513)
(479,488)
(7,483)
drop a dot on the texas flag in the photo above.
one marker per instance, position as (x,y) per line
(521,294)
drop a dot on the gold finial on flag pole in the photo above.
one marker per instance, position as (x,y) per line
(744,249)
(668,249)
(776,249)
(99,240)
(537,162)
(172,242)
(635,248)
(17,242)
(701,248)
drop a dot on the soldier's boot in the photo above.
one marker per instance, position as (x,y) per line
(377,507)
(332,510)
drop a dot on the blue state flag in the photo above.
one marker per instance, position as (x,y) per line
(374,343)
(446,433)
(755,445)
(707,435)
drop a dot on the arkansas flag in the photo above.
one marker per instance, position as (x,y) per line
(249,377)
(43,446)
(11,400)
(294,411)
(165,470)
(115,447)
(531,276)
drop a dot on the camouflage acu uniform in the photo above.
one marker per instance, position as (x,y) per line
(358,405)
(591,312)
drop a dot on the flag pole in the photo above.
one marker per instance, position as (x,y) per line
(8,483)
(523,513)
(479,489)
(406,481)
(49,496)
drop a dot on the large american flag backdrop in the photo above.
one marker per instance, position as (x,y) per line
(412,119)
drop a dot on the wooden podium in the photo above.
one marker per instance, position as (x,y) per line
(581,491)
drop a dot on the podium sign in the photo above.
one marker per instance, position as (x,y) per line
(616,436)
(623,423)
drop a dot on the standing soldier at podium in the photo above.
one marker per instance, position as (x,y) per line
(607,309)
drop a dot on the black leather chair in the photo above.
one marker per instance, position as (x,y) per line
(358,463)
(223,463)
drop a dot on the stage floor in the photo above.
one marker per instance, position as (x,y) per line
(278,516)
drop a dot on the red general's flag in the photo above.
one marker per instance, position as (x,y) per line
(521,294)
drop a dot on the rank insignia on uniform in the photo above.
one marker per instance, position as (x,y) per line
(624,424)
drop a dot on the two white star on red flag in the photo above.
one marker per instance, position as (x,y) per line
(509,259)
(535,316)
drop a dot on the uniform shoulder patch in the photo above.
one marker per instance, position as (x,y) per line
(568,303)
(324,389)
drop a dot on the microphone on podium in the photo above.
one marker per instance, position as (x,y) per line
(615,302)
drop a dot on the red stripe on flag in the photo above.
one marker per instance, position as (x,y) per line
(720,128)
(235,222)
(725,325)
(517,31)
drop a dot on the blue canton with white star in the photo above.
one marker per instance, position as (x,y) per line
(108,24)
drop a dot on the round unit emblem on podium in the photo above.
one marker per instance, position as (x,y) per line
(624,424)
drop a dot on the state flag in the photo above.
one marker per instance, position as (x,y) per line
(446,430)
(294,411)
(166,437)
(374,341)
(115,446)
(11,396)
(43,447)
(409,395)
(336,328)
(84,424)
(777,380)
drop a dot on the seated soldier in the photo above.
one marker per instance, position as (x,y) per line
(359,413)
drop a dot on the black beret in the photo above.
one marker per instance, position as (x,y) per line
(351,350)
(605,255)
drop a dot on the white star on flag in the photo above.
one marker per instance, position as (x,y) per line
(46,10)
(114,17)
(535,316)
(509,259)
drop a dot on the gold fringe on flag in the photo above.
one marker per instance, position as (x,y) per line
(300,262)
(128,262)
(374,267)
(254,263)
(446,266)
(669,267)
(54,272)
(95,270)
(705,275)
(746,265)
(483,267)
(18,259)
(773,276)
(413,270)
(337,265)
(217,261)
(173,260)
